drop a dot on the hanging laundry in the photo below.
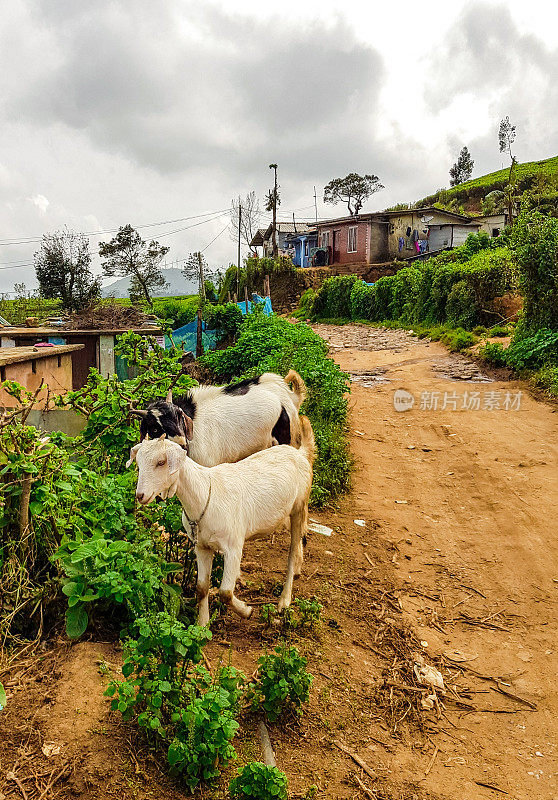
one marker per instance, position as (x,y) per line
(417,246)
(401,243)
(415,235)
(408,233)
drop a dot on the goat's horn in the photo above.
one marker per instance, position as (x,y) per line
(138,412)
(169,396)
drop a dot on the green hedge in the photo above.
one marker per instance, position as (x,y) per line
(455,287)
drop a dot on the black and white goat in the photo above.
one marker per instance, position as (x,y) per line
(230,503)
(217,424)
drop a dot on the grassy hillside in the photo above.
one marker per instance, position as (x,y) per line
(540,176)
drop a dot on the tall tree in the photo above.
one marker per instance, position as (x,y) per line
(63,269)
(249,217)
(354,190)
(462,169)
(127,254)
(506,137)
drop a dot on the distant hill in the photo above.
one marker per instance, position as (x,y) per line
(177,284)
(469,195)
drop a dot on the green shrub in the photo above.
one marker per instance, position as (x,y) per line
(178,311)
(498,330)
(546,378)
(178,703)
(226,318)
(283,684)
(305,305)
(457,339)
(494,353)
(480,330)
(534,241)
(453,287)
(257,781)
(532,351)
(362,301)
(333,299)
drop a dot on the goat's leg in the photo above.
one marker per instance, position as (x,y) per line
(231,571)
(299,555)
(205,562)
(295,555)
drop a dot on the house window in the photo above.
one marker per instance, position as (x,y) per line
(325,239)
(352,240)
(495,232)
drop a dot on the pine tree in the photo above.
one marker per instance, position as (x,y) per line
(462,169)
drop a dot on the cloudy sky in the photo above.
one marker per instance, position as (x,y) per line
(119,111)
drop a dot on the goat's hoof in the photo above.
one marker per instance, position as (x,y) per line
(249,612)
(282,604)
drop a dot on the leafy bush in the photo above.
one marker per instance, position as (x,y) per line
(547,378)
(333,299)
(362,301)
(532,351)
(302,614)
(457,339)
(283,684)
(178,311)
(257,781)
(273,344)
(226,318)
(494,353)
(175,699)
(454,287)
(305,305)
(499,330)
(534,241)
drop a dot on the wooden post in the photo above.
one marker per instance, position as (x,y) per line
(238,253)
(246,298)
(229,297)
(201,297)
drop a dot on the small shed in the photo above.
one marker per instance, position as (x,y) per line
(97,347)
(449,234)
(31,365)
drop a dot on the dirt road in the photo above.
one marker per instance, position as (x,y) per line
(453,559)
(468,499)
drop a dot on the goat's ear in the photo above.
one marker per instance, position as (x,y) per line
(133,453)
(169,396)
(188,425)
(162,437)
(173,459)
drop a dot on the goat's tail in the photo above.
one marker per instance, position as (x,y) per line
(299,387)
(308,445)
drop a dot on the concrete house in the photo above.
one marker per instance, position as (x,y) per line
(381,237)
(264,237)
(302,246)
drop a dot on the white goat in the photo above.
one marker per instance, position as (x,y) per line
(218,424)
(229,503)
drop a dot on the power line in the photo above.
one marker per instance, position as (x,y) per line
(90,234)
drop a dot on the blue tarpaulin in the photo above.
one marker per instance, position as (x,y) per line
(186,337)
(257,299)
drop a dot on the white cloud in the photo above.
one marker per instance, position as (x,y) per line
(41,202)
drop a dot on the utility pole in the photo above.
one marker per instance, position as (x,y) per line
(316,205)
(238,253)
(201,298)
(274,209)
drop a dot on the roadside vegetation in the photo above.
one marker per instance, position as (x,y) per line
(77,552)
(457,298)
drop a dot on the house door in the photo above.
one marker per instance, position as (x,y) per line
(335,247)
